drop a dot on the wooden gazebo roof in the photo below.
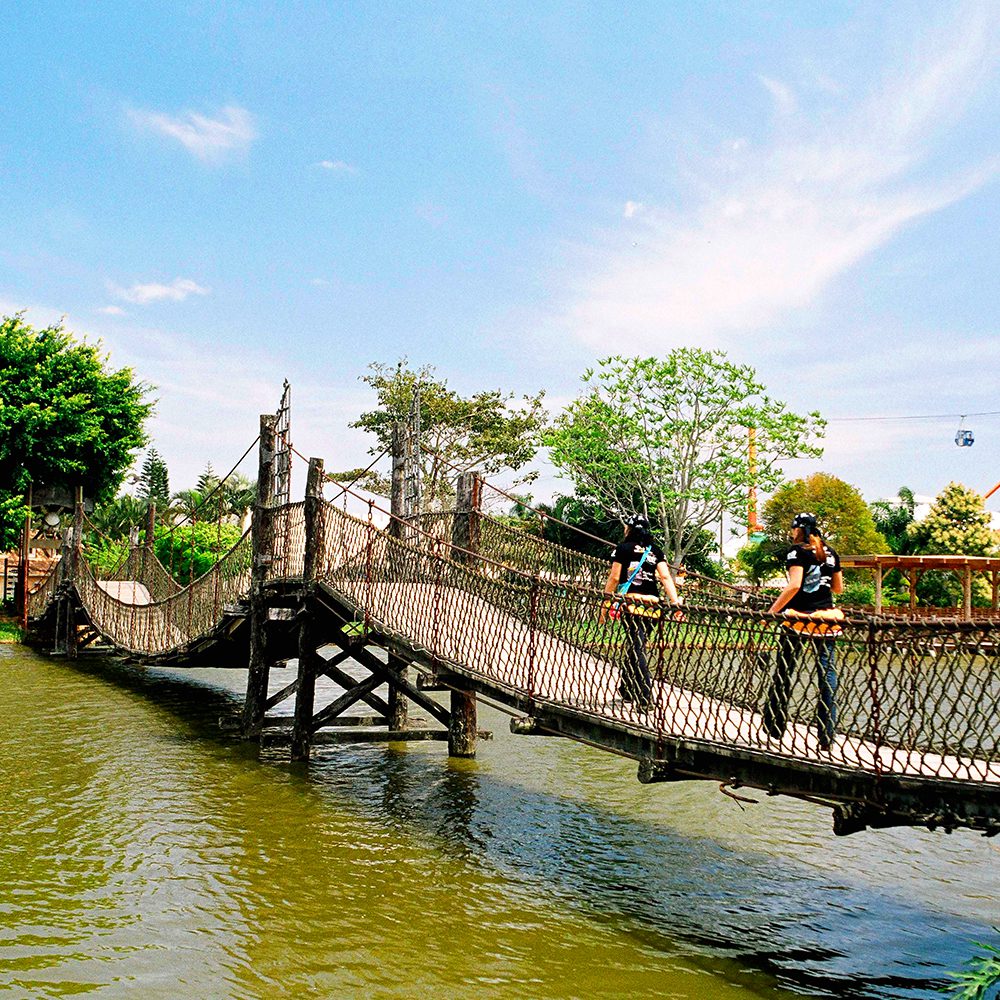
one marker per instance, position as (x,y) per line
(913,566)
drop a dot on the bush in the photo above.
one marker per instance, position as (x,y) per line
(104,554)
(191,550)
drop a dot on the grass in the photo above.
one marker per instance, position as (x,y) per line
(10,632)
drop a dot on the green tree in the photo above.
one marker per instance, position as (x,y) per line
(191,550)
(116,518)
(154,481)
(893,519)
(668,438)
(484,431)
(841,512)
(66,418)
(957,524)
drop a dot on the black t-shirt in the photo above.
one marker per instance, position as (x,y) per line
(816,592)
(629,554)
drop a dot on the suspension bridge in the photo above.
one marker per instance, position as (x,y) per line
(461,601)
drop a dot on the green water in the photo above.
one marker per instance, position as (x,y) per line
(143,854)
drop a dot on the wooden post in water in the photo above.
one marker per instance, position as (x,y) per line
(262,543)
(310,662)
(465,538)
(21,594)
(75,559)
(401,440)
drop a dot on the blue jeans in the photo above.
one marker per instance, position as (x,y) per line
(790,644)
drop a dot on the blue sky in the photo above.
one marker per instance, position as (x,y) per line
(229,194)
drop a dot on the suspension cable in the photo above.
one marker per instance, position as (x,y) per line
(338,482)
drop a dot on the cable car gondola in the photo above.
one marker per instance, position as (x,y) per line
(964,438)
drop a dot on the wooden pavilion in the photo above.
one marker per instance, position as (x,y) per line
(913,566)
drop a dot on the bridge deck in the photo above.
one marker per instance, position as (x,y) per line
(558,674)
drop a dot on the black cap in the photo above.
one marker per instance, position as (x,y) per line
(638,523)
(807,522)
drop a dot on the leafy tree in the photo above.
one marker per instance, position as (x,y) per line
(668,438)
(484,431)
(116,518)
(842,514)
(154,480)
(214,499)
(191,550)
(66,418)
(957,524)
(893,519)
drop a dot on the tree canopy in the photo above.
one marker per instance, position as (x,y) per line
(893,519)
(154,480)
(957,524)
(841,512)
(485,431)
(66,418)
(668,438)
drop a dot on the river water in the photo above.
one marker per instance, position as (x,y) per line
(143,853)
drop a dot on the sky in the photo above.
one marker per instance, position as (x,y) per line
(230,194)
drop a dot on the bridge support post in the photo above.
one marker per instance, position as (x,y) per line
(398,705)
(401,506)
(75,557)
(262,544)
(463,725)
(310,662)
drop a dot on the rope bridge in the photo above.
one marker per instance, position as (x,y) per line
(520,620)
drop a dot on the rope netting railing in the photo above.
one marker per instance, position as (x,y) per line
(920,700)
(45,590)
(135,622)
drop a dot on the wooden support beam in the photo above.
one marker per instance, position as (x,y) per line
(361,721)
(463,724)
(346,681)
(279,696)
(310,662)
(334,736)
(398,711)
(344,702)
(262,541)
(878,590)
(462,728)
(378,668)
(967,593)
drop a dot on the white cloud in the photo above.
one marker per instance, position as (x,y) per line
(319,282)
(337,166)
(209,139)
(771,227)
(112,311)
(784,97)
(632,209)
(177,291)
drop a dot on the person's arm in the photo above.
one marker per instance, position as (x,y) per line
(666,579)
(791,589)
(610,587)
(837,582)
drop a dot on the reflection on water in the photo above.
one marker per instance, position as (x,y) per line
(145,853)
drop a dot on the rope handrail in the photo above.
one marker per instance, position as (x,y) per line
(548,516)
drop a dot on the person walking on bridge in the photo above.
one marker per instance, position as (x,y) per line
(810,619)
(637,565)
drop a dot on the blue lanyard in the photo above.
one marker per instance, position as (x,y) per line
(623,588)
